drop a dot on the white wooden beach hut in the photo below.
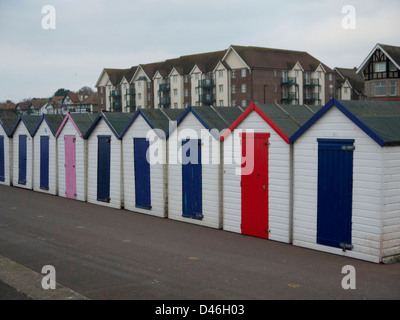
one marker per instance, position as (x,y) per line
(347,180)
(72,155)
(105,177)
(257,196)
(8,119)
(144,160)
(195,166)
(22,135)
(45,154)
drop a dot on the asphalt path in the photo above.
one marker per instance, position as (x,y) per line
(108,254)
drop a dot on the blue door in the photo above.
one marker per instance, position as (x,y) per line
(22,159)
(335,192)
(142,173)
(44,162)
(2,160)
(103,168)
(192,179)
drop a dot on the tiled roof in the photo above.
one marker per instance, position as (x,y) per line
(355,79)
(393,51)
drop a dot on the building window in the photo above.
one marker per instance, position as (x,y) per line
(233,74)
(296,74)
(101,89)
(244,73)
(244,103)
(149,85)
(186,93)
(175,92)
(319,74)
(330,92)
(197,76)
(380,88)
(220,73)
(175,78)
(175,105)
(221,103)
(233,89)
(101,101)
(149,97)
(139,96)
(221,88)
(330,77)
(275,73)
(380,66)
(244,88)
(186,78)
(392,66)
(139,84)
(392,88)
(308,78)
(276,88)
(345,90)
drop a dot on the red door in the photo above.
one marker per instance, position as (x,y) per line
(255,184)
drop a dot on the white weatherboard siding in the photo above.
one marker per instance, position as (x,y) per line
(391,202)
(81,162)
(116,187)
(22,130)
(278,183)
(158,179)
(8,159)
(367,187)
(211,173)
(44,130)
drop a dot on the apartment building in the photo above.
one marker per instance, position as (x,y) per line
(232,77)
(349,84)
(381,72)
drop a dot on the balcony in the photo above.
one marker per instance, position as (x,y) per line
(289,81)
(207,83)
(311,98)
(115,93)
(311,83)
(131,104)
(130,92)
(165,101)
(116,106)
(207,98)
(289,97)
(164,87)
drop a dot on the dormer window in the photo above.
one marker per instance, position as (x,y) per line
(380,67)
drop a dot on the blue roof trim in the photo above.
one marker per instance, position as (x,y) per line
(135,115)
(5,130)
(347,113)
(94,124)
(198,117)
(16,125)
(40,122)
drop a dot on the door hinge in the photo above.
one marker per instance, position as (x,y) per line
(346,246)
(348,148)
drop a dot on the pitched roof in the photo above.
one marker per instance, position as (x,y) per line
(117,122)
(214,119)
(7,105)
(378,119)
(257,57)
(81,122)
(392,52)
(30,122)
(115,75)
(8,119)
(53,121)
(283,118)
(355,79)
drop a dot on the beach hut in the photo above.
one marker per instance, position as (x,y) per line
(347,180)
(22,135)
(144,160)
(194,165)
(72,155)
(8,119)
(45,154)
(257,179)
(105,180)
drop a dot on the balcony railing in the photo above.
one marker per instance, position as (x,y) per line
(131,104)
(165,87)
(207,98)
(116,106)
(290,96)
(130,92)
(311,82)
(165,101)
(311,98)
(115,93)
(207,83)
(289,81)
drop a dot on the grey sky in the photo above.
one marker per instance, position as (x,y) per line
(93,34)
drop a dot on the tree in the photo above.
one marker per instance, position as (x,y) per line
(61,92)
(86,90)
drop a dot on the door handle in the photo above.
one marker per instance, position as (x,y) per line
(265,187)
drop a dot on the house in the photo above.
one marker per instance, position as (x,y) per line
(381,72)
(45,172)
(195,165)
(144,144)
(7,105)
(234,76)
(72,155)
(347,180)
(258,170)
(8,118)
(349,84)
(105,159)
(22,135)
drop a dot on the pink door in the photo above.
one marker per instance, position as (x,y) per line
(70,167)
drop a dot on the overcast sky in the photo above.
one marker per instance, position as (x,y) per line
(90,35)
